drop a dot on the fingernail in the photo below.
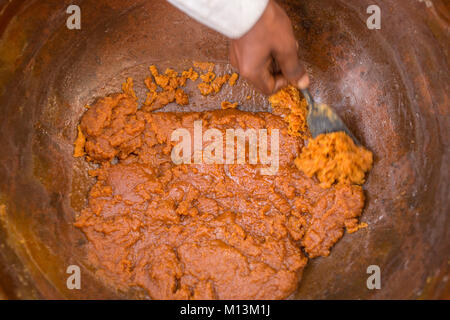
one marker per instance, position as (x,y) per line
(303,83)
(280,82)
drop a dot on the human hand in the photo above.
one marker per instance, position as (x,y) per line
(269,44)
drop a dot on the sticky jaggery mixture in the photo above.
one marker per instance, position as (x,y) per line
(211,83)
(288,104)
(228,105)
(233,78)
(201,231)
(170,88)
(330,157)
(334,157)
(204,66)
(80,142)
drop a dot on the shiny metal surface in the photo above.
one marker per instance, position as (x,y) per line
(390,86)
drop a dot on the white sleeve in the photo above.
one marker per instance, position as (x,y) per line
(232,18)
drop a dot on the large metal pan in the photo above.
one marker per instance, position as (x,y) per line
(389,85)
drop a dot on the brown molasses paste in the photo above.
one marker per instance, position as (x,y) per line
(202,231)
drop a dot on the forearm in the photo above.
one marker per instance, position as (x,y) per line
(232,18)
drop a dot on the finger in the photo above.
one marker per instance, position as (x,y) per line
(292,69)
(263,80)
(290,65)
(280,82)
(271,83)
(286,56)
(259,75)
(274,68)
(303,83)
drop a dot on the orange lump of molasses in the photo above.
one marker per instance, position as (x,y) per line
(288,104)
(334,157)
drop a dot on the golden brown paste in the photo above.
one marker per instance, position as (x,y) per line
(334,157)
(234,77)
(202,231)
(170,84)
(287,103)
(78,150)
(228,105)
(204,66)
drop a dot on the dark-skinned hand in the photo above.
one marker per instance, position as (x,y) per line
(267,54)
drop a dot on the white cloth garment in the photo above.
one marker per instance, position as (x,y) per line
(232,18)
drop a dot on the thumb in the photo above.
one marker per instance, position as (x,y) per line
(303,83)
(291,68)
